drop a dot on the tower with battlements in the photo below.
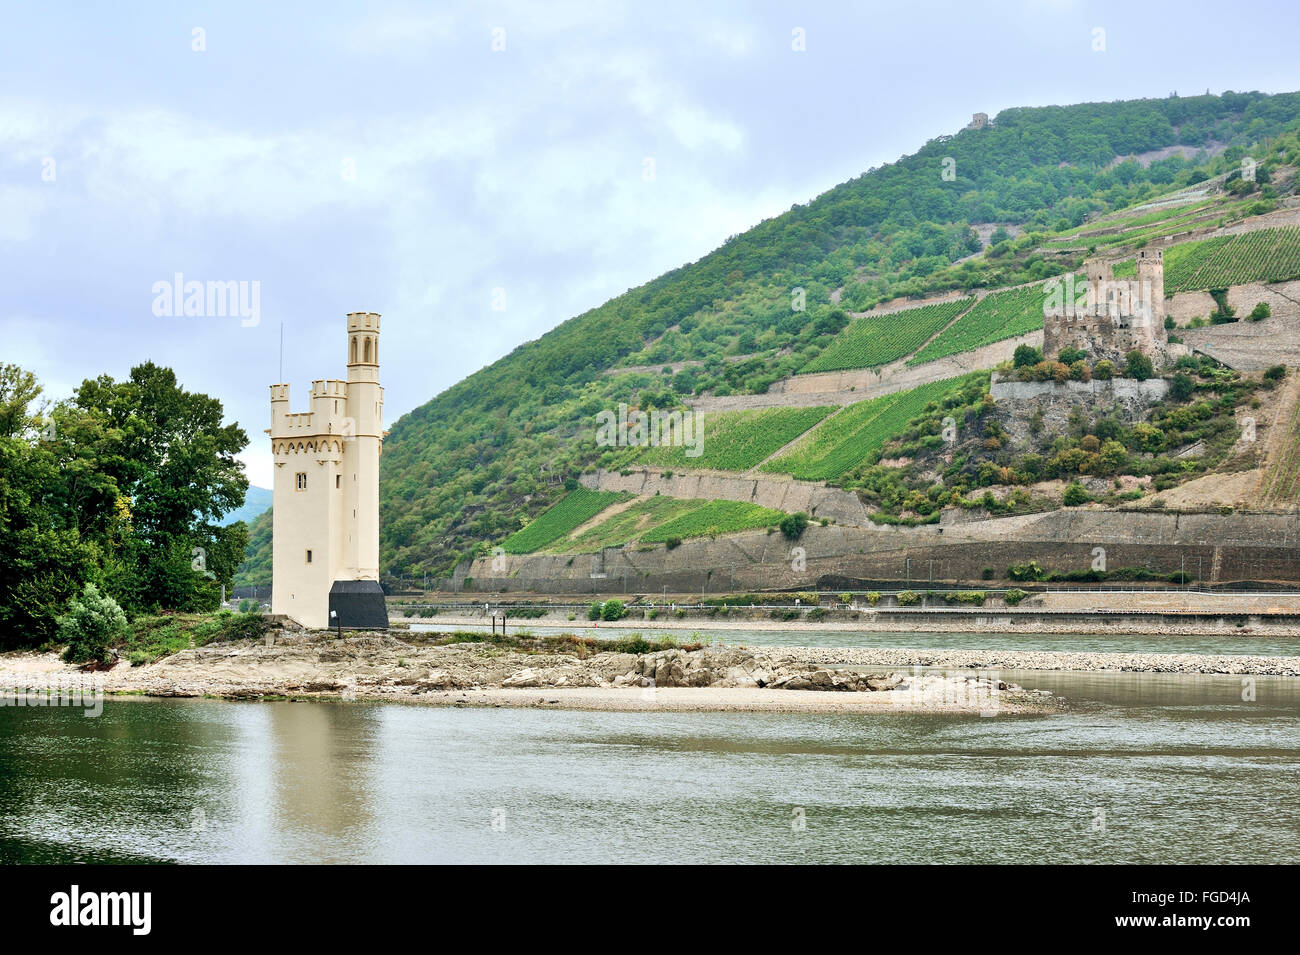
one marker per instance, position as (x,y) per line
(1109,317)
(325,536)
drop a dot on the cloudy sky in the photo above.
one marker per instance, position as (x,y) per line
(427,161)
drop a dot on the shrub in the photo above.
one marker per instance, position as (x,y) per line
(92,622)
(1013,597)
(1076,495)
(1026,355)
(793,525)
(1028,571)
(1276,373)
(907,598)
(1261,310)
(593,612)
(1138,365)
(1104,370)
(614,610)
(873,598)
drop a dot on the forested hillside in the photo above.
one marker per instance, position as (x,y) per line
(475,463)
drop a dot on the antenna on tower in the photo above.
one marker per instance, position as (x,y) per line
(281,353)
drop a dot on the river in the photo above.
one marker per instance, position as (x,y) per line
(1156,768)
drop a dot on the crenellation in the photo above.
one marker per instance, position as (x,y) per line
(325,537)
(1108,317)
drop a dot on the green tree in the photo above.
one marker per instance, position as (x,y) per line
(169,454)
(1076,495)
(43,559)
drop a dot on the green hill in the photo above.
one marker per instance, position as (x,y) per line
(476,463)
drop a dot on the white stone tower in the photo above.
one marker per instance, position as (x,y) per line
(325,543)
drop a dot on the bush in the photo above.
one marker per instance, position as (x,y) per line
(873,598)
(793,525)
(1028,571)
(907,598)
(1276,373)
(92,622)
(1104,370)
(1138,365)
(1013,597)
(1260,311)
(614,610)
(1076,495)
(1026,355)
(593,612)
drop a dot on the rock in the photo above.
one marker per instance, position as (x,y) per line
(524,678)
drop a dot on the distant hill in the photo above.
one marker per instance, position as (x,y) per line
(256,501)
(473,465)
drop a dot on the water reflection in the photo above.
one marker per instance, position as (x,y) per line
(1179,766)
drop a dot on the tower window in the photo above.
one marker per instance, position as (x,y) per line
(302,480)
(338,480)
(354,349)
(309,556)
(367,351)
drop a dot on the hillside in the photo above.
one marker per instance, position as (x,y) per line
(474,465)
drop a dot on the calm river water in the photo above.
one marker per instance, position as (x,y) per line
(1148,768)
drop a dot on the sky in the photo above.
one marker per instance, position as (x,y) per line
(479,172)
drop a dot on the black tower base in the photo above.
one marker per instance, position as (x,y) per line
(359,605)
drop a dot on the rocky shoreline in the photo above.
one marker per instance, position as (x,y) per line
(384,667)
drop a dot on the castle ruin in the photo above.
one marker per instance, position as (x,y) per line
(1108,318)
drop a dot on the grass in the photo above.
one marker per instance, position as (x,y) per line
(992,319)
(847,439)
(737,440)
(154,636)
(879,339)
(625,525)
(571,511)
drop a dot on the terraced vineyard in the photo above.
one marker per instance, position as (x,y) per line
(994,317)
(574,509)
(1281,481)
(662,519)
(844,441)
(625,525)
(714,517)
(879,339)
(1265,255)
(736,440)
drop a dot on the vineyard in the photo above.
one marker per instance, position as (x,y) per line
(1266,255)
(880,339)
(845,440)
(660,519)
(1280,483)
(737,440)
(574,509)
(994,317)
(712,518)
